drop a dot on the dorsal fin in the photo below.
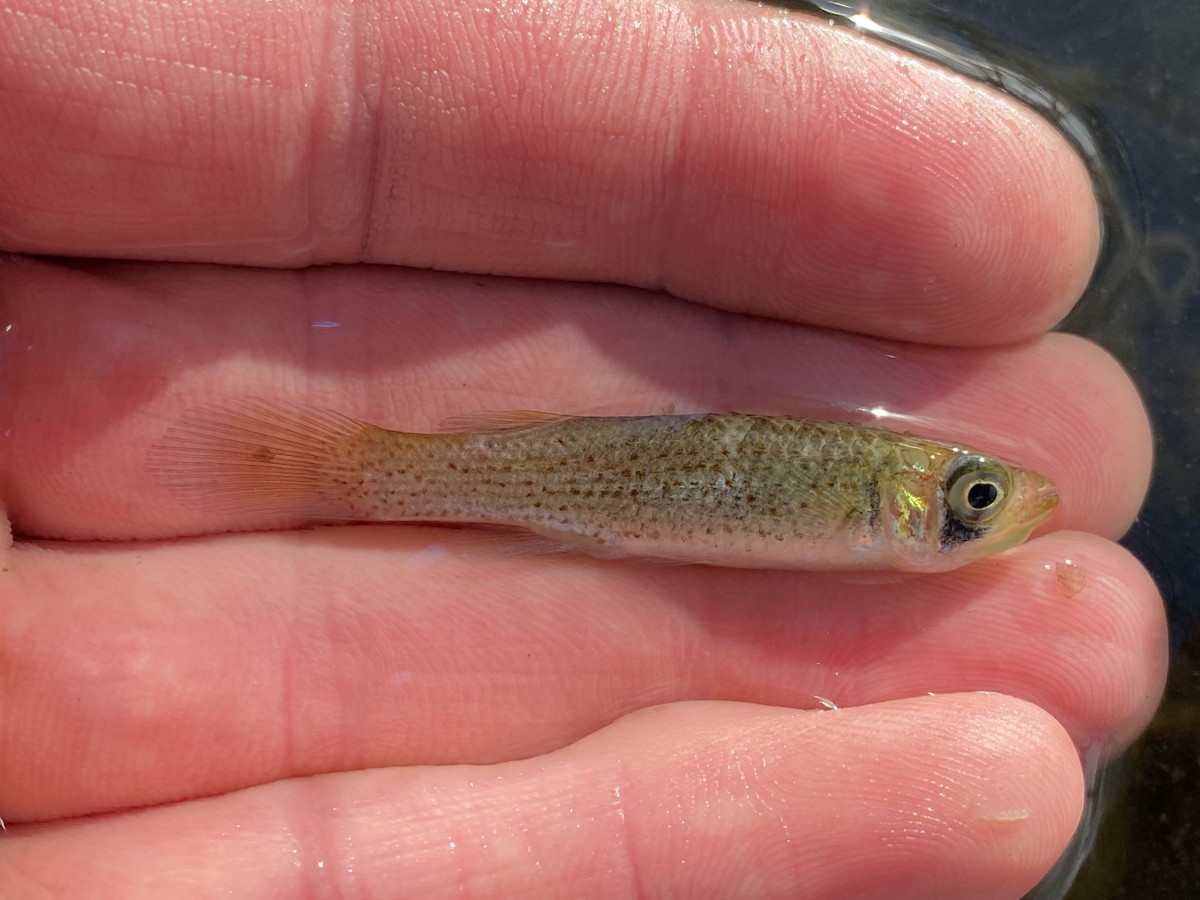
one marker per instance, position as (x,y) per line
(493,421)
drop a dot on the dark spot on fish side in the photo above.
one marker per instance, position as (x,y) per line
(263,454)
(956,533)
(874,505)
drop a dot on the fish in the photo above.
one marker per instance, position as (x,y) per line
(721,489)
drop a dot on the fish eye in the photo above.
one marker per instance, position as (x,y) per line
(976,488)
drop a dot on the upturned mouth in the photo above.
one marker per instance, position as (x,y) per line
(1045,499)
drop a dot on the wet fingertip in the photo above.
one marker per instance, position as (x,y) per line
(1109,488)
(1127,651)
(1009,790)
(1031,786)
(1091,620)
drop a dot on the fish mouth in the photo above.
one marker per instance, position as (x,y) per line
(1045,499)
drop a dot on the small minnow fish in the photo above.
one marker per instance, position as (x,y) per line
(729,490)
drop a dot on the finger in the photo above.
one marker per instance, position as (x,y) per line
(151,673)
(751,158)
(100,366)
(962,796)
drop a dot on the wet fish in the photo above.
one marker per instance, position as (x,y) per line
(729,490)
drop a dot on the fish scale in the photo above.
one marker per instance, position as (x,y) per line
(721,489)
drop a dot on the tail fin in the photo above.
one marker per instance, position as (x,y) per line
(254,457)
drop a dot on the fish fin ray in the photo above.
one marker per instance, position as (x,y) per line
(828,506)
(497,421)
(512,541)
(256,457)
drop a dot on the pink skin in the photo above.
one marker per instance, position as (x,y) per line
(469,720)
(893,799)
(752,159)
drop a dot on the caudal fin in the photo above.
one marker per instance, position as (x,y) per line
(257,459)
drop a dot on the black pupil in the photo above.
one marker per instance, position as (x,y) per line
(981,495)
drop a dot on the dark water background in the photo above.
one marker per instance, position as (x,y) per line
(1124,80)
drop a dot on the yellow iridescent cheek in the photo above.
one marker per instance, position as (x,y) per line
(910,518)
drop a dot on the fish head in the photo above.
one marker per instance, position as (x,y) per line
(943,507)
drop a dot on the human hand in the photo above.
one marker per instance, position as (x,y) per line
(385,711)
